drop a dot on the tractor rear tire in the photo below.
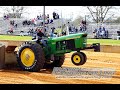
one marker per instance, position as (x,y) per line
(58,62)
(30,57)
(78,58)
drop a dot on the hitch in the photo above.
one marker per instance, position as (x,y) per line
(95,46)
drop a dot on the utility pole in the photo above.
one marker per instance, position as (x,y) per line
(62,21)
(85,18)
(43,19)
(86,21)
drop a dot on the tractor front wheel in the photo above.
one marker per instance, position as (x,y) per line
(78,58)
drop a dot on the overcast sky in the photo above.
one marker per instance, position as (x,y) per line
(67,11)
(64,11)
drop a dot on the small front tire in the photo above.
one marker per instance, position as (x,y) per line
(78,58)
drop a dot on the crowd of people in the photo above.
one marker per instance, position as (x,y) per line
(101,32)
(13,25)
(75,29)
(38,21)
(72,29)
(47,19)
(83,26)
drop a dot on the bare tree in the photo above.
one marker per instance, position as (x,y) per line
(14,11)
(77,21)
(99,13)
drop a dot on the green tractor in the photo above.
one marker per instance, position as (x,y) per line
(34,55)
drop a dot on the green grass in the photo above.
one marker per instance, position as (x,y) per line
(104,41)
(15,38)
(89,41)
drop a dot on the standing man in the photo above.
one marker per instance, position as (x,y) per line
(67,31)
(54,15)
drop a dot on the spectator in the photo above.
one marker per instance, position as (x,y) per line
(53,28)
(47,18)
(80,29)
(31,31)
(54,15)
(63,33)
(53,34)
(46,28)
(16,25)
(5,17)
(33,20)
(51,21)
(70,29)
(76,30)
(57,16)
(38,17)
(95,33)
(12,23)
(67,30)
(47,15)
(102,34)
(104,28)
(10,29)
(100,29)
(106,34)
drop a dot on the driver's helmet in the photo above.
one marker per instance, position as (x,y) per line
(39,29)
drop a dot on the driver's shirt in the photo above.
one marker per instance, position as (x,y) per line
(40,34)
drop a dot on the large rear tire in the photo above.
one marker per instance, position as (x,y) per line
(30,57)
(58,62)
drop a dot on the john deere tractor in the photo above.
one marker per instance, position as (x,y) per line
(34,55)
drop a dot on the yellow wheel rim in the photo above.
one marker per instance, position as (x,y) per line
(76,59)
(27,57)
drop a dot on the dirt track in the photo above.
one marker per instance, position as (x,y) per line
(13,75)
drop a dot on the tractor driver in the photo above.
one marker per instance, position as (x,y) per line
(40,34)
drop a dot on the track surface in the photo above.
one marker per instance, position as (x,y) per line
(14,75)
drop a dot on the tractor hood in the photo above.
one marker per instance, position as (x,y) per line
(68,37)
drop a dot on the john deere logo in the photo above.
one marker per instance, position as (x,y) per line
(27,57)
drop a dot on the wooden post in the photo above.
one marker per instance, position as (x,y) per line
(2,56)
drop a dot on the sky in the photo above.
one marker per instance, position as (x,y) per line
(64,11)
